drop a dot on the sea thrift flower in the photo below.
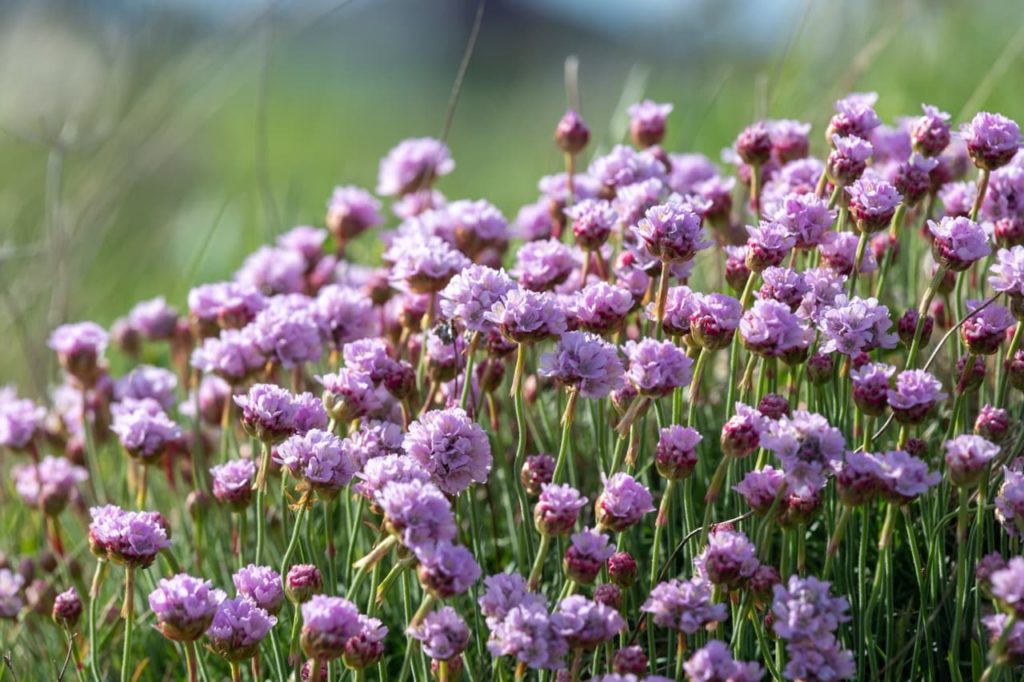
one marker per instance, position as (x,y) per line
(770,329)
(557,509)
(931,132)
(808,447)
(233,356)
(860,479)
(913,178)
(418,512)
(232,482)
(601,308)
(854,326)
(527,316)
(784,285)
(741,435)
(1007,274)
(729,559)
(586,624)
(967,457)
(320,458)
(542,265)
(1010,502)
(261,585)
(351,211)
(1008,586)
(592,222)
(447,570)
(273,271)
(624,166)
(680,303)
(147,382)
(871,387)
(838,253)
(848,159)
(656,368)
(647,122)
(905,476)
(767,245)
(906,327)
(471,293)
(855,115)
(301,582)
(676,454)
(425,264)
(915,394)
(806,616)
(80,347)
(622,503)
(685,606)
(442,634)
(806,216)
(958,242)
(714,663)
(344,315)
(184,607)
(268,412)
(572,133)
(223,305)
(20,421)
(502,593)
(789,139)
(993,423)
(671,232)
(527,632)
(873,203)
(11,602)
(350,394)
(286,332)
(380,471)
(983,332)
(754,144)
(587,553)
(412,165)
(367,646)
(67,608)
(48,485)
(130,539)
(584,362)
(145,431)
(478,226)
(154,319)
(537,471)
(992,140)
(327,624)
(451,447)
(714,320)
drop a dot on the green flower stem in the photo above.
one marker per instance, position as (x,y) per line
(128,613)
(922,312)
(467,380)
(94,597)
(538,563)
(525,541)
(563,447)
(261,491)
(1003,382)
(862,245)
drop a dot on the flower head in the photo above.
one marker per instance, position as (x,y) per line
(184,606)
(676,454)
(647,122)
(771,329)
(809,448)
(873,203)
(714,663)
(685,606)
(20,421)
(584,362)
(600,307)
(585,623)
(992,140)
(586,555)
(526,316)
(232,482)
(967,457)
(914,395)
(714,319)
(442,634)
(656,368)
(447,570)
(320,458)
(451,447)
(958,242)
(128,538)
(412,165)
(671,232)
(854,326)
(48,485)
(145,430)
(262,585)
(327,624)
(351,211)
(622,502)
(471,293)
(767,245)
(729,558)
(418,512)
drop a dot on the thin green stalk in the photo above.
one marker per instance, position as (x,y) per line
(128,612)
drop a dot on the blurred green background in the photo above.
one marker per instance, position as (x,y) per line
(146,146)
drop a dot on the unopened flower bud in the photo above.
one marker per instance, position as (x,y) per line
(67,609)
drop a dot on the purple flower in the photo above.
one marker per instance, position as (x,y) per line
(425,264)
(418,512)
(472,293)
(838,252)
(855,115)
(1010,502)
(771,329)
(147,382)
(601,307)
(848,159)
(808,447)
(585,623)
(984,331)
(533,221)
(320,458)
(49,484)
(307,413)
(526,316)
(741,435)
(931,133)
(823,660)
(447,570)
(958,242)
(1012,643)
(11,602)
(442,634)
(543,264)
(1008,585)
(805,610)
(80,347)
(784,285)
(367,646)
(622,503)
(905,476)
(680,303)
(232,482)
(914,395)
(586,555)
(224,305)
(767,245)
(967,457)
(184,607)
(273,271)
(412,165)
(1007,274)
(632,201)
(647,122)
(479,225)
(854,326)
(374,439)
(871,387)
(350,394)
(585,362)
(571,133)
(789,139)
(268,412)
(144,430)
(154,319)
(327,624)
(261,585)
(232,356)
(306,241)
(344,315)
(380,471)
(676,453)
(625,166)
(301,582)
(286,332)
(557,509)
(992,140)
(451,447)
(656,368)
(861,478)
(67,608)
(351,211)
(760,488)
(20,421)
(685,606)
(714,663)
(754,144)
(527,632)
(825,286)
(873,203)
(127,538)
(714,319)
(504,592)
(671,232)
(729,558)
(592,222)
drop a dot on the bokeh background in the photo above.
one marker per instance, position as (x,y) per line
(147,145)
